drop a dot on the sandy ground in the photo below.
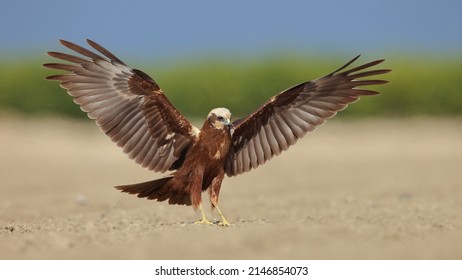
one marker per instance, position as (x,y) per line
(375,189)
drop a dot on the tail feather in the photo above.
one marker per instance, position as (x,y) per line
(178,198)
(160,190)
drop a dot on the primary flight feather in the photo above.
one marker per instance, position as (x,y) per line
(133,111)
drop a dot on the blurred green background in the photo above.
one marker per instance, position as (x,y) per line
(419,85)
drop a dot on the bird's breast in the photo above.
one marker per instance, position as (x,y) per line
(211,148)
(215,144)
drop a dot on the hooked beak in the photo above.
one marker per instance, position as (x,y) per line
(228,123)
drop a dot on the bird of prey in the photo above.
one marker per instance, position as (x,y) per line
(131,108)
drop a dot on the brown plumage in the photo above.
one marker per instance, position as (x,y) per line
(133,111)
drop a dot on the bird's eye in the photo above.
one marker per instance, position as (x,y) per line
(220,118)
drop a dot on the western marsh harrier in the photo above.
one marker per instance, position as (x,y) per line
(131,108)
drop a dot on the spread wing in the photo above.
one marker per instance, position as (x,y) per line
(288,116)
(127,104)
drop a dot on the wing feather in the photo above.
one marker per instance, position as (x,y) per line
(280,139)
(285,130)
(291,114)
(131,134)
(111,124)
(127,104)
(263,139)
(136,153)
(260,154)
(294,125)
(274,145)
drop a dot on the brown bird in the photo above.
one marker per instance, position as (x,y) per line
(131,108)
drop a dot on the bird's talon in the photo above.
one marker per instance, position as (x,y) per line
(225,224)
(203,222)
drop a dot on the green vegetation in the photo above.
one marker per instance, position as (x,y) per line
(418,86)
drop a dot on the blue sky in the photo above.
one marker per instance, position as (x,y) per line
(172,29)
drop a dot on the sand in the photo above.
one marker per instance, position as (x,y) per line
(354,189)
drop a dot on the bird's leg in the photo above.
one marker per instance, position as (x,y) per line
(195,193)
(204,219)
(223,222)
(214,192)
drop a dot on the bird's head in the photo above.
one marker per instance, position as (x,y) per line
(219,118)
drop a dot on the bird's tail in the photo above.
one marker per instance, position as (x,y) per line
(160,190)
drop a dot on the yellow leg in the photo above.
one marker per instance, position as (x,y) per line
(223,222)
(204,219)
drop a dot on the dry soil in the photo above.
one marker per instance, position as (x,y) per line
(370,189)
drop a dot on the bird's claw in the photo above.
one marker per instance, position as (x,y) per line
(225,223)
(203,222)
